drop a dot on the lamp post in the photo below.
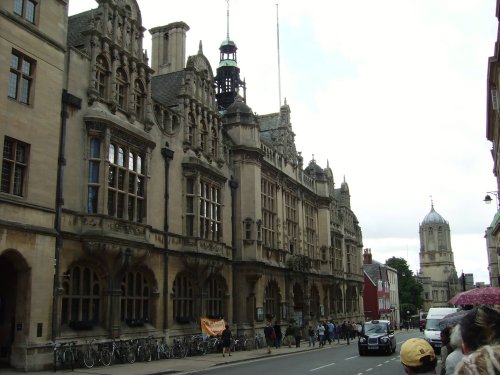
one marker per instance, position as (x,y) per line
(487,199)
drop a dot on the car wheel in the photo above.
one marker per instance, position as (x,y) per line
(361,352)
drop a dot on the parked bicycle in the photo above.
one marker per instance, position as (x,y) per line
(198,345)
(65,355)
(162,350)
(240,343)
(123,351)
(96,354)
(179,348)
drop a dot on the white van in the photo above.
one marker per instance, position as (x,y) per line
(432,331)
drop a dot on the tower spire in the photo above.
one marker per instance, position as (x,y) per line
(279,64)
(227,80)
(227,19)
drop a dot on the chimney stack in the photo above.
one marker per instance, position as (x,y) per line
(367,256)
(168,48)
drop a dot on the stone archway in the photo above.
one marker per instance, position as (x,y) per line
(14,282)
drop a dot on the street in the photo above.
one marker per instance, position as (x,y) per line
(334,358)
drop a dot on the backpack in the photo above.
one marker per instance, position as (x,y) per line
(273,334)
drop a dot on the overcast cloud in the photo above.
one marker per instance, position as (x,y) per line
(392,93)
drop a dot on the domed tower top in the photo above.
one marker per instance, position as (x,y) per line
(433,217)
(228,80)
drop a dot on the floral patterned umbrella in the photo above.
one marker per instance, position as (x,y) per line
(483,296)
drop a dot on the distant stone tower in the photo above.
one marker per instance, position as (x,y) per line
(437,266)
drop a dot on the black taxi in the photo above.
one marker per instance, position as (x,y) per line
(376,336)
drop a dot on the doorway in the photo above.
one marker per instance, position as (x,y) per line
(12,264)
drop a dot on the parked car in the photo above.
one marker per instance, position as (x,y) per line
(376,336)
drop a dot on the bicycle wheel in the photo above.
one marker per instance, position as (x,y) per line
(130,355)
(88,358)
(143,354)
(105,357)
(67,359)
(78,358)
(177,351)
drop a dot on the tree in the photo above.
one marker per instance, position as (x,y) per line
(409,289)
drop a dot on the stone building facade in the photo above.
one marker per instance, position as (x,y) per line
(492,233)
(437,266)
(134,203)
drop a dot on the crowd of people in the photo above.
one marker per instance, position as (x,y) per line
(471,346)
(323,332)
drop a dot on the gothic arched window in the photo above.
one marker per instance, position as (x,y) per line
(183,297)
(272,299)
(81,295)
(136,297)
(102,77)
(215,142)
(215,296)
(121,89)
(139,96)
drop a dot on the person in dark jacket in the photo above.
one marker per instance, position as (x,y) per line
(297,332)
(289,335)
(270,336)
(226,338)
(279,336)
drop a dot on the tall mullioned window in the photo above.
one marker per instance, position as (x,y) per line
(183,299)
(121,89)
(139,96)
(210,211)
(102,76)
(203,207)
(22,74)
(272,299)
(291,221)
(81,295)
(268,202)
(136,295)
(14,167)
(215,296)
(215,142)
(126,183)
(94,175)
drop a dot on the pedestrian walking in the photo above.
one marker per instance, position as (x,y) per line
(279,336)
(289,338)
(348,332)
(331,332)
(338,332)
(297,333)
(321,334)
(312,336)
(226,338)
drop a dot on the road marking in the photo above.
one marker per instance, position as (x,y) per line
(380,364)
(319,368)
(369,369)
(356,356)
(386,361)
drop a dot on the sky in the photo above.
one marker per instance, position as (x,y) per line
(390,93)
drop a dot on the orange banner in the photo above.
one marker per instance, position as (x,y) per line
(212,326)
